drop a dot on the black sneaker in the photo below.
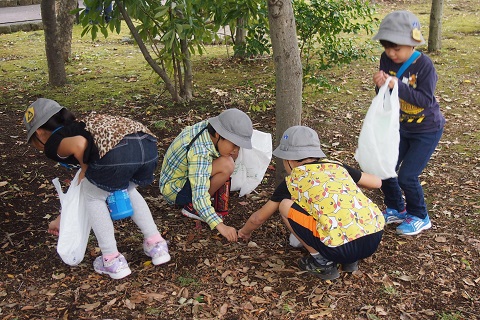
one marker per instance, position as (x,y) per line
(350,267)
(326,271)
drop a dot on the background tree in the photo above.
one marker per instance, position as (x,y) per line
(435,29)
(288,70)
(56,66)
(169,33)
(174,30)
(248,24)
(326,31)
(65,21)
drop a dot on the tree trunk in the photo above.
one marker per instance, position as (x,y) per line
(240,32)
(188,73)
(240,38)
(168,82)
(56,66)
(288,71)
(65,21)
(435,29)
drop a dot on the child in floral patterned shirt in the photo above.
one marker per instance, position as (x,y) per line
(321,204)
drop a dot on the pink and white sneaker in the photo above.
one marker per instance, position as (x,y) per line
(116,268)
(158,252)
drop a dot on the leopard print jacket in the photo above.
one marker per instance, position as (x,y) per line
(107,130)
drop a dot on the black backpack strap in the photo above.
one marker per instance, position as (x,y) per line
(195,138)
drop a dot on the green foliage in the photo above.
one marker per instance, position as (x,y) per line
(187,281)
(167,25)
(467,264)
(253,14)
(450,316)
(178,29)
(95,20)
(174,29)
(326,32)
(390,290)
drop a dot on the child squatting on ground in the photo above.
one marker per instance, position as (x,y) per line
(199,162)
(321,204)
(114,153)
(421,122)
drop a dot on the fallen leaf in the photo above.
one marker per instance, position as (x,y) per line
(111,302)
(267,289)
(469,282)
(257,299)
(58,276)
(252,244)
(130,305)
(28,308)
(89,307)
(223,309)
(441,239)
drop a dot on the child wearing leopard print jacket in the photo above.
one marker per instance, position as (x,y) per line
(114,153)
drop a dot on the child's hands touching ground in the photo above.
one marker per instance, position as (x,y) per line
(228,232)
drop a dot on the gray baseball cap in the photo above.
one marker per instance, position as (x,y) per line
(38,113)
(299,142)
(402,28)
(235,126)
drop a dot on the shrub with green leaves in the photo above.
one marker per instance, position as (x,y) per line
(326,30)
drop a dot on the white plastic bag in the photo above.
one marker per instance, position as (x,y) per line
(74,224)
(294,241)
(377,151)
(251,164)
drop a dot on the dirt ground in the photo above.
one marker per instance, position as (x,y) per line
(434,275)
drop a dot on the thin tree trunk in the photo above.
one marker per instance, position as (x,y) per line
(240,32)
(65,21)
(288,70)
(188,76)
(56,66)
(435,29)
(240,39)
(168,83)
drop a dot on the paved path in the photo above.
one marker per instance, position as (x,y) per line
(23,14)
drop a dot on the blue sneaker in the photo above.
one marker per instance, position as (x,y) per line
(393,216)
(413,225)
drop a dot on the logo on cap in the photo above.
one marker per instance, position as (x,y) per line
(29,114)
(285,137)
(416,35)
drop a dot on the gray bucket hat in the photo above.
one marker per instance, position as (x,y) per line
(38,113)
(297,143)
(235,126)
(402,28)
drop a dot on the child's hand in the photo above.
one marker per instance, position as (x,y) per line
(379,78)
(54,226)
(228,232)
(244,235)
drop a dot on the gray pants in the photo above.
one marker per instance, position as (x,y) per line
(102,224)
